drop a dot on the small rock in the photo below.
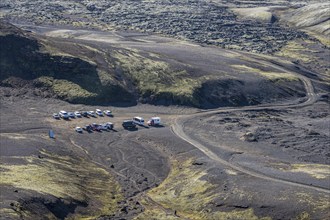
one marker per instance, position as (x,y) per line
(125,209)
(249,136)
(197,163)
(311,132)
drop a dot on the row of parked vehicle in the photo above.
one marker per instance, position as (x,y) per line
(95,127)
(127,124)
(79,114)
(154,121)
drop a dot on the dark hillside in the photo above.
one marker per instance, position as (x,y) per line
(94,72)
(66,77)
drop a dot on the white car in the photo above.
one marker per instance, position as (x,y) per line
(79,129)
(99,112)
(77,114)
(138,120)
(56,116)
(107,112)
(154,121)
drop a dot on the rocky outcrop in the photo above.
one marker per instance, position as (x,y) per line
(199,21)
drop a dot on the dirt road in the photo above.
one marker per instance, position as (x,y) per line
(311,96)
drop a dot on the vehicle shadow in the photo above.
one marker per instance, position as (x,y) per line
(144,126)
(131,129)
(158,126)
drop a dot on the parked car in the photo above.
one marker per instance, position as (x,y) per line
(88,128)
(56,116)
(107,125)
(96,127)
(138,120)
(99,112)
(91,113)
(79,129)
(128,124)
(85,114)
(154,121)
(63,114)
(77,114)
(108,113)
(103,127)
(71,115)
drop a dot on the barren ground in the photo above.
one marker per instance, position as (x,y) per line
(262,152)
(152,173)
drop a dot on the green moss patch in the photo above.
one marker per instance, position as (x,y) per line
(185,194)
(72,179)
(156,78)
(65,89)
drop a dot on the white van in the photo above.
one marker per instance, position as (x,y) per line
(63,114)
(154,121)
(138,120)
(99,112)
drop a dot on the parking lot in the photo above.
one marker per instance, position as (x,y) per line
(90,121)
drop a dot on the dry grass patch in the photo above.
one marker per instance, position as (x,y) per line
(274,76)
(260,14)
(319,171)
(295,50)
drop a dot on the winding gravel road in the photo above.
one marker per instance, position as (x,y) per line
(178,129)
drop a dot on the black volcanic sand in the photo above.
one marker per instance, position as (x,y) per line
(135,164)
(222,77)
(140,160)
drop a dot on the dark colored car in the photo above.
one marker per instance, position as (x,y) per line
(96,127)
(85,114)
(88,128)
(128,124)
(109,125)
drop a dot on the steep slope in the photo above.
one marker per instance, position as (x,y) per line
(24,60)
(314,17)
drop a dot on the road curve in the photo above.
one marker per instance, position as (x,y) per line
(177,129)
(115,38)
